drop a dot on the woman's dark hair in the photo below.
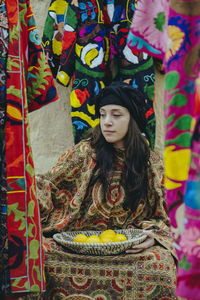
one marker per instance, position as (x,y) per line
(134,174)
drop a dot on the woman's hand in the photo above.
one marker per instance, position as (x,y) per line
(149,242)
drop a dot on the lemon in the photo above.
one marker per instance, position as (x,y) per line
(119,238)
(106,239)
(93,239)
(80,238)
(108,233)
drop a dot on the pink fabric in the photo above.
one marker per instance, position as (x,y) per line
(150,35)
(180,51)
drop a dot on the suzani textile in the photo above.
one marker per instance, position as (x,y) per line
(149,30)
(26,84)
(85,41)
(182,143)
(182,115)
(146,275)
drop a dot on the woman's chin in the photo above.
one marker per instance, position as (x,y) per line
(110,140)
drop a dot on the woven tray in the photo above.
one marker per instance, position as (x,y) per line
(134,237)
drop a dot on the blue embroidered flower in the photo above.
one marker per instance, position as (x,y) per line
(190,87)
(80,125)
(96,89)
(34,37)
(88,10)
(134,84)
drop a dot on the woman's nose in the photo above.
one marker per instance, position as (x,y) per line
(108,120)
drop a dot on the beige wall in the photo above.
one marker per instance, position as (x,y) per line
(51,130)
(159,107)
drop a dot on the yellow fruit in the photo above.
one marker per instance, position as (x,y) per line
(108,233)
(119,238)
(93,239)
(106,239)
(80,238)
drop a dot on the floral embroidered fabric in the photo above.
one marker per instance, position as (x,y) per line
(4,270)
(180,51)
(148,31)
(86,41)
(26,85)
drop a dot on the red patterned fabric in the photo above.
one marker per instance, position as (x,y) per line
(29,86)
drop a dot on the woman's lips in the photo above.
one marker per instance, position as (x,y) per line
(108,131)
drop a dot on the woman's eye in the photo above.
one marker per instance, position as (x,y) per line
(116,115)
(102,115)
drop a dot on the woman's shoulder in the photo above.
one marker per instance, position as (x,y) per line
(85,147)
(156,166)
(81,149)
(155,158)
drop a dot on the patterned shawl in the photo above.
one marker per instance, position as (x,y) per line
(68,202)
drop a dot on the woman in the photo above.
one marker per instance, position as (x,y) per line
(109,180)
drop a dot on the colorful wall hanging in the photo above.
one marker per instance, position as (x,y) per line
(174,35)
(26,85)
(94,53)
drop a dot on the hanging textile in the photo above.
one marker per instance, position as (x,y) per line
(149,27)
(133,67)
(4,32)
(150,36)
(182,118)
(26,85)
(94,53)
(84,55)
(84,58)
(53,33)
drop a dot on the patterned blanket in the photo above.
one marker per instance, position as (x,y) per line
(150,274)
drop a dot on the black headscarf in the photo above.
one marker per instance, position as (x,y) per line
(123,94)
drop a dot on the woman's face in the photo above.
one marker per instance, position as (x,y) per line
(114,122)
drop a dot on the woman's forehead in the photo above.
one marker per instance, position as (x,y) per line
(111,107)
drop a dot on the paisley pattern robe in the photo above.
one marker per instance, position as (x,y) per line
(68,203)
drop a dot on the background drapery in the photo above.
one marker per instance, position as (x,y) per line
(86,42)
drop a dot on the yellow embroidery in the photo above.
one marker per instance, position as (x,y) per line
(171,185)
(175,39)
(57,47)
(91,109)
(14,112)
(102,84)
(176,163)
(86,118)
(74,100)
(90,56)
(63,77)
(78,49)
